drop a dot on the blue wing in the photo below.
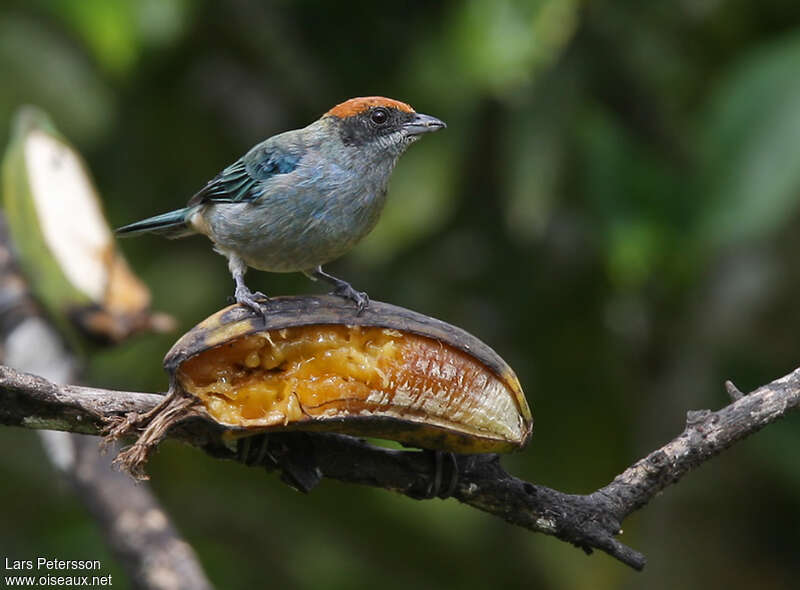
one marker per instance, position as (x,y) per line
(242,181)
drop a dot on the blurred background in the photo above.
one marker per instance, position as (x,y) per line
(614,207)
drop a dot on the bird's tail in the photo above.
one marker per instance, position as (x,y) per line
(170,225)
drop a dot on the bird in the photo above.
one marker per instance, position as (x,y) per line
(303,198)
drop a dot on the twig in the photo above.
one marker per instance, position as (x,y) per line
(733,391)
(590,521)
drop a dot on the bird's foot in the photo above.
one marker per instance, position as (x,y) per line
(346,290)
(341,288)
(256,295)
(256,301)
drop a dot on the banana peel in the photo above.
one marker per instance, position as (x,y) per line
(64,244)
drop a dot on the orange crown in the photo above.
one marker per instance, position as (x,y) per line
(355,106)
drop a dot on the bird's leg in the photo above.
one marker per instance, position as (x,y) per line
(242,294)
(341,288)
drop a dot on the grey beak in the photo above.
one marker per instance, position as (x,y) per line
(423,124)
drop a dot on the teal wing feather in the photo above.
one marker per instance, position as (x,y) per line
(241,181)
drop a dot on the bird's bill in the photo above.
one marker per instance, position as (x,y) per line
(423,124)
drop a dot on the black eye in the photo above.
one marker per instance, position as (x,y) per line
(379,116)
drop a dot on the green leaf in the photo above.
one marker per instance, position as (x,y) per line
(751,145)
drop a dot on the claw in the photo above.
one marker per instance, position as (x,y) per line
(360,298)
(341,288)
(255,301)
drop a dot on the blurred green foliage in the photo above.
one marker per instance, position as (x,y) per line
(613,207)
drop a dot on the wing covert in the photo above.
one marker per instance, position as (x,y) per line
(241,181)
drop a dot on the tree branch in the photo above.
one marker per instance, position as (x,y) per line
(590,521)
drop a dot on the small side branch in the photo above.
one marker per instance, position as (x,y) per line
(591,521)
(706,434)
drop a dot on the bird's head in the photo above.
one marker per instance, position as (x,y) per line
(381,125)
